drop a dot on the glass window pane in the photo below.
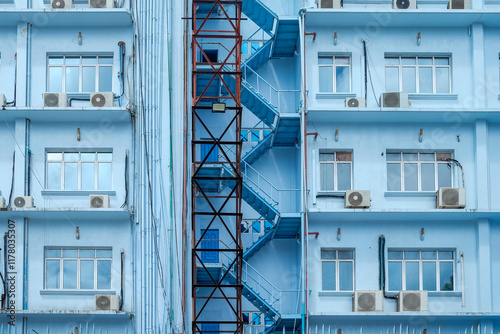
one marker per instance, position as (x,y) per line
(104,175)
(256,228)
(55,79)
(395,272)
(71,156)
(58,60)
(442,80)
(52,274)
(104,253)
(427,156)
(345,276)
(443,156)
(425,60)
(429,276)
(87,253)
(244,136)
(344,156)
(71,176)
(70,253)
(72,79)
(427,177)
(444,175)
(412,274)
(104,156)
(326,177)
(342,74)
(325,79)
(344,176)
(392,60)
(325,60)
(392,79)
(408,60)
(429,255)
(395,255)
(73,60)
(244,48)
(104,274)
(445,255)
(54,156)
(328,275)
(69,274)
(412,255)
(86,60)
(52,253)
(105,60)
(409,80)
(88,156)
(393,157)
(105,79)
(425,80)
(87,274)
(267,226)
(328,254)
(442,61)
(327,157)
(410,157)
(256,318)
(446,276)
(88,176)
(346,254)
(410,177)
(255,47)
(255,136)
(342,60)
(393,177)
(54,175)
(88,79)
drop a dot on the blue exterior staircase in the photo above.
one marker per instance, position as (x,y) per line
(260,14)
(286,37)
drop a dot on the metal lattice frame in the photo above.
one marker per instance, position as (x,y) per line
(218,24)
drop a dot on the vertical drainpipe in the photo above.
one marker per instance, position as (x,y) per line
(27,192)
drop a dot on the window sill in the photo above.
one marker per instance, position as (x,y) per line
(77,192)
(336,96)
(335,293)
(433,97)
(431,294)
(76,292)
(410,194)
(331,194)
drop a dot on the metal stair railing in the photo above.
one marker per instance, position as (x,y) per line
(267,91)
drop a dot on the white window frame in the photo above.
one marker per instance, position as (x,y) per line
(337,267)
(78,266)
(419,163)
(248,224)
(80,70)
(420,271)
(335,165)
(334,66)
(79,171)
(417,66)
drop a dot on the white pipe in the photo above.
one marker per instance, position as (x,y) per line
(463,277)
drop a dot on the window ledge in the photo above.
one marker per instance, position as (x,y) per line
(77,192)
(435,97)
(331,194)
(431,294)
(410,194)
(339,96)
(335,293)
(76,292)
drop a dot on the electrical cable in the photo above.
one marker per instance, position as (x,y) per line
(125,203)
(461,169)
(13,103)
(12,182)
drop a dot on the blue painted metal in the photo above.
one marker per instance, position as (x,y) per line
(202,81)
(260,14)
(288,226)
(210,241)
(256,152)
(212,269)
(291,323)
(261,242)
(261,108)
(213,182)
(287,130)
(258,203)
(259,58)
(286,38)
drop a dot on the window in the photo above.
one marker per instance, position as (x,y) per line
(337,270)
(250,47)
(256,319)
(334,74)
(426,74)
(418,171)
(255,226)
(78,268)
(335,171)
(254,135)
(80,74)
(70,170)
(325,3)
(431,270)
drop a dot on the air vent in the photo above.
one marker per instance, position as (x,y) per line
(102,100)
(414,301)
(2,203)
(55,100)
(355,102)
(395,100)
(450,198)
(367,301)
(23,202)
(3,100)
(107,303)
(99,201)
(404,4)
(357,199)
(459,4)
(62,4)
(101,3)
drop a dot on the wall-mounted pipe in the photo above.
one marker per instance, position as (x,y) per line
(122,259)
(366,70)
(13,102)
(12,180)
(311,33)
(27,158)
(316,234)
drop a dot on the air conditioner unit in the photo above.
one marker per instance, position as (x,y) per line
(395,100)
(55,100)
(101,3)
(367,301)
(107,303)
(404,4)
(459,4)
(99,201)
(3,100)
(357,199)
(355,102)
(102,100)
(415,301)
(61,4)
(2,203)
(450,198)
(23,202)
